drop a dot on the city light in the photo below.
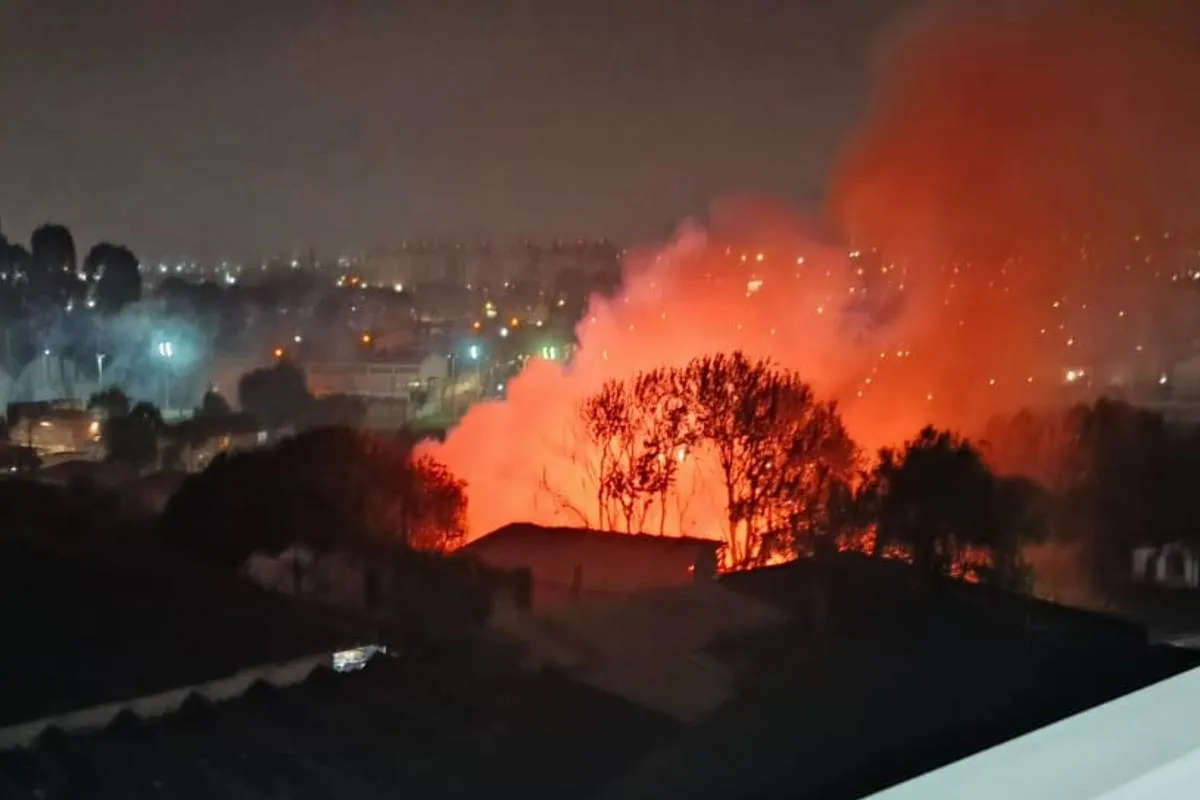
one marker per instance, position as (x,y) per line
(164,349)
(473,352)
(504,333)
(278,352)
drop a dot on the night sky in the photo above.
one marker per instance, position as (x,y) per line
(214,127)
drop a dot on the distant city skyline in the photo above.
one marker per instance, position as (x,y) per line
(217,129)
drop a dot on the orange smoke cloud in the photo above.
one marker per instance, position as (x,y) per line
(754,279)
(1006,200)
(1027,154)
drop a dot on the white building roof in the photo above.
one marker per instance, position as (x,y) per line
(1145,745)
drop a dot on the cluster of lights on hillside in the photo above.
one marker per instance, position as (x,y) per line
(898,344)
(1064,314)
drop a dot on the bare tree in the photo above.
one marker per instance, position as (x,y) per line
(642,430)
(562,503)
(776,446)
(783,459)
(576,471)
(606,419)
(669,436)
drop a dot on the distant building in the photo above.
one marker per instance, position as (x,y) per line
(390,379)
(53,429)
(470,263)
(391,390)
(1175,566)
(569,564)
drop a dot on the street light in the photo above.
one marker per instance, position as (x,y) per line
(475,354)
(166,351)
(100,371)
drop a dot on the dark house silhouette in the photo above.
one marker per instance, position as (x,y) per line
(570,564)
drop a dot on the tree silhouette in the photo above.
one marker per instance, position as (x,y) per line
(436,508)
(361,491)
(133,438)
(784,459)
(213,406)
(1107,500)
(1021,513)
(53,271)
(113,275)
(614,424)
(938,497)
(776,448)
(276,395)
(111,402)
(1117,478)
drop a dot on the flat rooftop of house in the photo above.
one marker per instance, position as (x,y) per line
(95,626)
(526,532)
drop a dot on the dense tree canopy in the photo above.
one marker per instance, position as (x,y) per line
(939,498)
(132,438)
(791,480)
(779,454)
(112,273)
(276,395)
(53,271)
(1117,478)
(213,406)
(49,301)
(111,402)
(330,488)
